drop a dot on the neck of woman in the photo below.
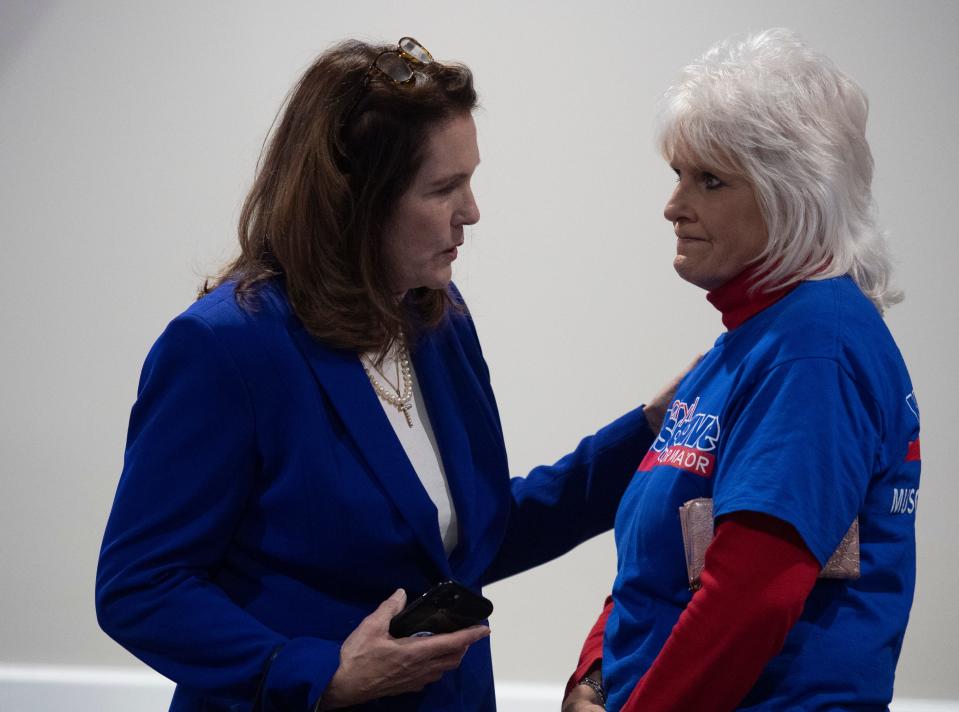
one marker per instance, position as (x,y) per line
(738,301)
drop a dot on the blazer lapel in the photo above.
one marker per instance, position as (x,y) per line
(341,376)
(447,416)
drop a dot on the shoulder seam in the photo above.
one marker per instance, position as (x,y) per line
(202,321)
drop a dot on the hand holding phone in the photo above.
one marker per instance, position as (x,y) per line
(375,664)
(447,607)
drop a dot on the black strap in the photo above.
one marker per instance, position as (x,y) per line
(258,700)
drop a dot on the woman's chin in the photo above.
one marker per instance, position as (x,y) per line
(685,270)
(440,280)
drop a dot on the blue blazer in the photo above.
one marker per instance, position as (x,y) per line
(266,506)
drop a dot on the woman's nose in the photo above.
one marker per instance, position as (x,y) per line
(469,213)
(677,207)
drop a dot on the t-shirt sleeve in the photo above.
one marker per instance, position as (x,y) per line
(799,446)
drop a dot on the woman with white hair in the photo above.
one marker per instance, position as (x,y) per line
(799,422)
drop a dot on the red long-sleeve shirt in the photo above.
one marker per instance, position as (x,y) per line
(757,576)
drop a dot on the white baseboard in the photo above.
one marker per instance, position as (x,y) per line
(44,688)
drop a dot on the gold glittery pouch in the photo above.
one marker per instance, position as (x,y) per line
(696,520)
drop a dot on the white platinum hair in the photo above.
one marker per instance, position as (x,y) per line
(771,109)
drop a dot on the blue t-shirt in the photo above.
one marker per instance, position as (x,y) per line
(804,412)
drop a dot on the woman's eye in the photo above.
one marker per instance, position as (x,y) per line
(711,182)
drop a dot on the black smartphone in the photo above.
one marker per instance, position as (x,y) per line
(447,607)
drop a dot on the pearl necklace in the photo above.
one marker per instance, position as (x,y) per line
(400,398)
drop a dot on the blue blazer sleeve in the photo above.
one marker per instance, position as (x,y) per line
(188,471)
(554,508)
(557,507)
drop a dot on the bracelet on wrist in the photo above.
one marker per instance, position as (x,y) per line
(595,687)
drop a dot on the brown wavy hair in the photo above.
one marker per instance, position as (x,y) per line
(343,150)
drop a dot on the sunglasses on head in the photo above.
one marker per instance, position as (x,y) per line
(399,64)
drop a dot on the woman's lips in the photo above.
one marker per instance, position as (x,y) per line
(683,242)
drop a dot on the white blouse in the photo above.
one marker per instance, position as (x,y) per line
(419,443)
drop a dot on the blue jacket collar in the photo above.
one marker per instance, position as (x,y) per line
(342,378)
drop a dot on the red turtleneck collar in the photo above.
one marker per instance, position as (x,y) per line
(737,304)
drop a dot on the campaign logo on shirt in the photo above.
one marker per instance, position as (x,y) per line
(687,441)
(913,453)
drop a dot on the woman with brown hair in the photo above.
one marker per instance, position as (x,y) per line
(317,434)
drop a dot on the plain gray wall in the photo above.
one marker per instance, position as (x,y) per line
(129,133)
